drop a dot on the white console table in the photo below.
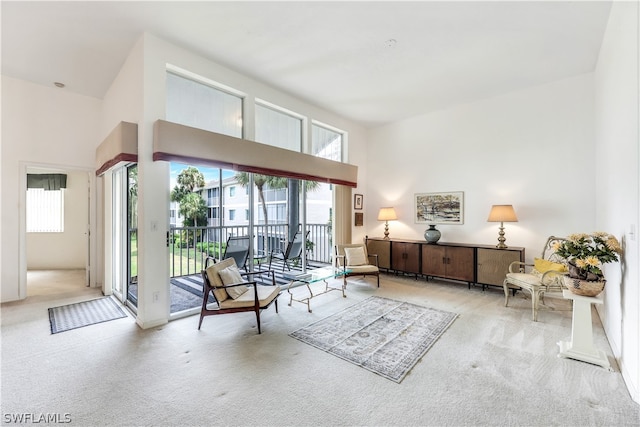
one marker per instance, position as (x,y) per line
(581,345)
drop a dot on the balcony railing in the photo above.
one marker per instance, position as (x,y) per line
(190,246)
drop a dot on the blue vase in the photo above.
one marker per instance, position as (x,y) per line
(432,235)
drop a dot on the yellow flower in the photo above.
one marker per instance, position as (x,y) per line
(594,261)
(613,244)
(580,263)
(556,245)
(577,236)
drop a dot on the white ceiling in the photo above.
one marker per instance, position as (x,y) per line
(337,55)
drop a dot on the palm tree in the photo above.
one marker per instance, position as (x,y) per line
(188,180)
(260,181)
(192,206)
(277,183)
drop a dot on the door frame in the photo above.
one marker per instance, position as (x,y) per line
(90,261)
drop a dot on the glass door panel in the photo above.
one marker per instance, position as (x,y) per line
(132,235)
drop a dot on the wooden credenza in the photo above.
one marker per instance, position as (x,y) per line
(449,261)
(479,264)
(405,257)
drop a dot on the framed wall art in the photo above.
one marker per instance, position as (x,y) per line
(439,208)
(359,219)
(357,201)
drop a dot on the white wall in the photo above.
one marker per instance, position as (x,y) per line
(41,126)
(138,95)
(533,148)
(66,250)
(617,177)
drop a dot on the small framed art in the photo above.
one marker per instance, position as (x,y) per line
(357,201)
(439,208)
(359,219)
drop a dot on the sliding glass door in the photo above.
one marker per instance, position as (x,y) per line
(124,235)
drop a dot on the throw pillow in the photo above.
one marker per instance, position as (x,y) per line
(230,276)
(543,265)
(355,256)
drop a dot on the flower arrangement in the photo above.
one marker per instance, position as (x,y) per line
(585,253)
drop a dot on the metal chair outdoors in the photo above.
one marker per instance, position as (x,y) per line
(355,258)
(293,251)
(249,295)
(544,277)
(238,249)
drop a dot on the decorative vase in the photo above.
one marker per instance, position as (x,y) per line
(432,235)
(586,288)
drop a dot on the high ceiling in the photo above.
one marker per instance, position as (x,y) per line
(372,62)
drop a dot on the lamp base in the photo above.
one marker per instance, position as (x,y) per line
(501,238)
(386,230)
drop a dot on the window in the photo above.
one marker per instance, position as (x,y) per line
(232,214)
(232,191)
(213,213)
(326,143)
(196,104)
(45,211)
(278,129)
(246,214)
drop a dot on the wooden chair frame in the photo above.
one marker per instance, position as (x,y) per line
(257,307)
(340,261)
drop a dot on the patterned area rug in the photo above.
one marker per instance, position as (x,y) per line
(382,335)
(84,313)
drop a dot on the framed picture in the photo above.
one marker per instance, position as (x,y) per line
(359,219)
(439,208)
(357,201)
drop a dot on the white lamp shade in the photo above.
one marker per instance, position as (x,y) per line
(502,213)
(387,214)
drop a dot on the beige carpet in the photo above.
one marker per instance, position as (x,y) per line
(493,366)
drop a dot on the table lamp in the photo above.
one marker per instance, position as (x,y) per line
(387,214)
(502,214)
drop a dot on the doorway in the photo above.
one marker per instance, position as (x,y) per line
(56,230)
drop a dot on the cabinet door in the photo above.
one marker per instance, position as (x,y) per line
(493,264)
(460,263)
(433,260)
(382,248)
(412,258)
(405,257)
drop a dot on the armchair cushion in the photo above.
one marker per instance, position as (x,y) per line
(216,283)
(362,269)
(231,276)
(266,294)
(355,256)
